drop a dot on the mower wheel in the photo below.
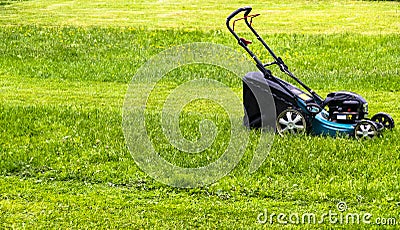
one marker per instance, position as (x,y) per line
(291,121)
(384,119)
(365,130)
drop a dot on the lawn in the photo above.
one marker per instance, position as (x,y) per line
(66,67)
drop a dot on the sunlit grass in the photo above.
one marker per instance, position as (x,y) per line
(65,69)
(367,17)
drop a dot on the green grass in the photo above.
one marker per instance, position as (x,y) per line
(284,16)
(65,69)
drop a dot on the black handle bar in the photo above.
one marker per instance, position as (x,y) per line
(246,10)
(267,73)
(236,12)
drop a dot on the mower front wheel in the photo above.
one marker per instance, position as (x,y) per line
(291,121)
(365,130)
(384,119)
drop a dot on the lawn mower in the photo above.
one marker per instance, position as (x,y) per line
(300,111)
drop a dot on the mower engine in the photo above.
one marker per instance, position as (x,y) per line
(345,107)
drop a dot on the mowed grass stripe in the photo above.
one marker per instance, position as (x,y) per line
(340,61)
(17,91)
(367,17)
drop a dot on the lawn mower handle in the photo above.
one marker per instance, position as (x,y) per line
(267,73)
(246,10)
(236,12)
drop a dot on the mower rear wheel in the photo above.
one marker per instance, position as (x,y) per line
(291,121)
(384,119)
(365,130)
